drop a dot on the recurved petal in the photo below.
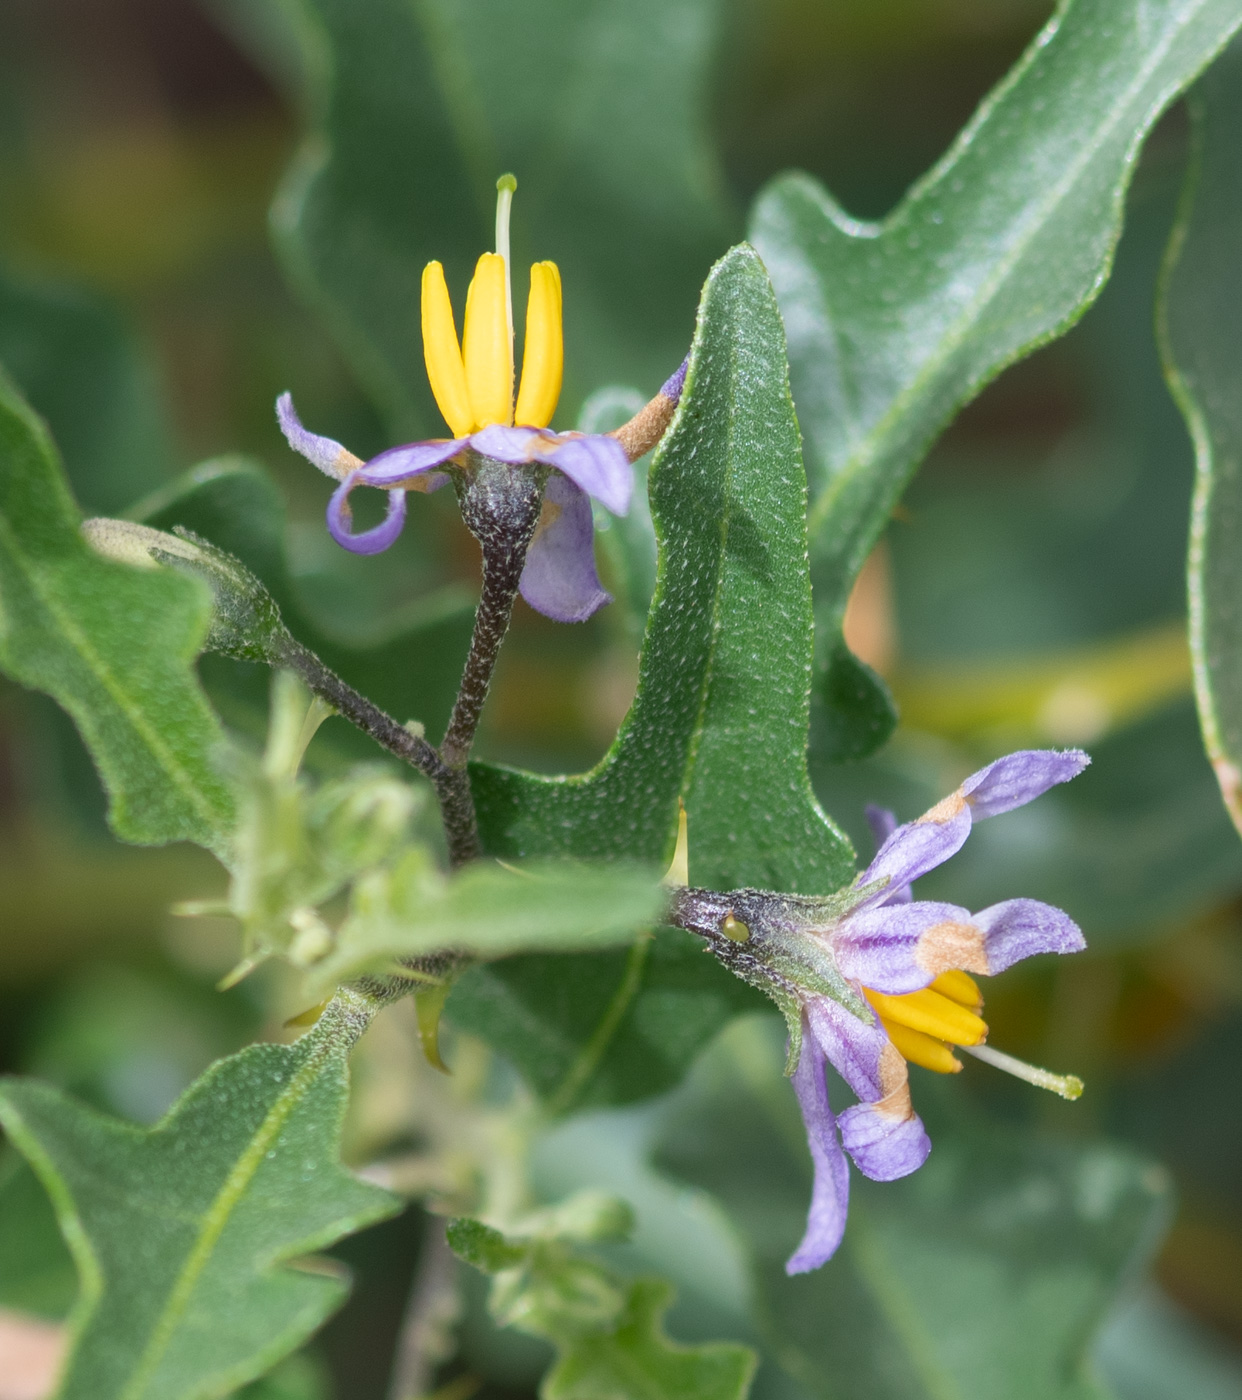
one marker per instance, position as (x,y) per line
(323,452)
(559,579)
(1019,778)
(373,541)
(883,823)
(412,460)
(1019,928)
(899,948)
(886,1141)
(825,1223)
(858,1050)
(914,849)
(598,464)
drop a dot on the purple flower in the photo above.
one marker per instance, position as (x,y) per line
(910,962)
(472,382)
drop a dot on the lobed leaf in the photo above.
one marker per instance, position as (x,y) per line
(113,645)
(720,717)
(1202,348)
(608,1334)
(183,1234)
(1002,246)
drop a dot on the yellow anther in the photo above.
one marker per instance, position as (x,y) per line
(922,1049)
(445,370)
(487,344)
(543,358)
(961,988)
(928,1011)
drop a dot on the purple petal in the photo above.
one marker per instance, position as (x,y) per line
(881,946)
(884,1145)
(411,459)
(1019,928)
(825,1222)
(860,1051)
(676,382)
(369,541)
(914,849)
(559,579)
(517,446)
(323,452)
(1020,777)
(883,823)
(598,465)
(883,1134)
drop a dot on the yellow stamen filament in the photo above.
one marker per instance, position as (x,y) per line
(544,355)
(961,988)
(1069,1086)
(922,1049)
(445,370)
(487,345)
(931,1013)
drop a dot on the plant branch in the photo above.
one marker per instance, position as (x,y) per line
(456,809)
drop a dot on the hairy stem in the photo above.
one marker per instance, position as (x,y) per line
(456,808)
(500,505)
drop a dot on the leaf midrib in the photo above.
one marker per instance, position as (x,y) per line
(217,1216)
(958,329)
(213,816)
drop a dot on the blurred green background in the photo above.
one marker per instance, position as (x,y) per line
(1029,591)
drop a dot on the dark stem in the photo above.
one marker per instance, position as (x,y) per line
(456,808)
(500,504)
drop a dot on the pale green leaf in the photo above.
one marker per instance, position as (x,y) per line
(489,910)
(1003,245)
(608,1333)
(114,645)
(184,1234)
(1202,343)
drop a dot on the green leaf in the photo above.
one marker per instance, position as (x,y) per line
(36,1272)
(637,1360)
(608,1333)
(83,370)
(113,645)
(488,910)
(980,1277)
(720,717)
(183,1233)
(859,714)
(1003,245)
(1202,347)
(412,672)
(419,108)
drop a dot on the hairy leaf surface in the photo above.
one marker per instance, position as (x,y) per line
(720,718)
(183,1233)
(893,326)
(114,645)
